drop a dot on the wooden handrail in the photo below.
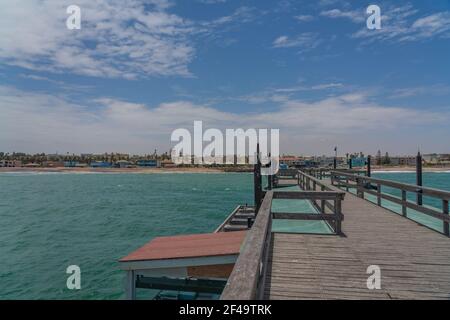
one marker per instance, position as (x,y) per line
(246,282)
(228,219)
(426,191)
(309,195)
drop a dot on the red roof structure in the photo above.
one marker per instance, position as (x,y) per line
(189,246)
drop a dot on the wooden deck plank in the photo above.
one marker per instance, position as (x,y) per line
(414,260)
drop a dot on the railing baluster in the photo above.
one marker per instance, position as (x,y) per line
(445,211)
(337,213)
(404,209)
(359,188)
(322,202)
(379,194)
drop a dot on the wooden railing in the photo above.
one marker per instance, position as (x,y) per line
(229,218)
(321,173)
(309,183)
(247,281)
(287,173)
(329,199)
(318,173)
(375,186)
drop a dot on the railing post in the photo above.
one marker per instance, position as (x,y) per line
(379,194)
(445,211)
(404,212)
(322,202)
(338,215)
(419,178)
(257,182)
(359,188)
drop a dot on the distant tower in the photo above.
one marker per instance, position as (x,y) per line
(386,159)
(378,159)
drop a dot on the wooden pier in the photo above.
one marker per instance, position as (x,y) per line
(414,261)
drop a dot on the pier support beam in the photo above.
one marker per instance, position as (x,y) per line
(130,289)
(419,178)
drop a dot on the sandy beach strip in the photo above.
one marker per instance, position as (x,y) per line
(377,169)
(121,170)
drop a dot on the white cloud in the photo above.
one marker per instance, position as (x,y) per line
(118,39)
(38,122)
(212,1)
(323,86)
(304,17)
(356,16)
(305,41)
(438,89)
(399,25)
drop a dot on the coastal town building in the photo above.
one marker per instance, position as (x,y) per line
(53,164)
(289,160)
(10,163)
(403,161)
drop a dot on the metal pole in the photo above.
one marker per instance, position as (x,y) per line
(369,168)
(257,181)
(335,158)
(419,177)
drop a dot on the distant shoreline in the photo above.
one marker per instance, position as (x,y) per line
(190,170)
(409,169)
(114,170)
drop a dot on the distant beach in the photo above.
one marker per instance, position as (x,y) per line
(113,170)
(188,170)
(409,169)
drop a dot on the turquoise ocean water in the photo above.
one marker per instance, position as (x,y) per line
(52,220)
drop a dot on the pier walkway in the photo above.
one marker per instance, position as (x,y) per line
(414,260)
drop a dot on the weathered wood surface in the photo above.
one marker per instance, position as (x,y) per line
(248,276)
(287,182)
(414,260)
(363,186)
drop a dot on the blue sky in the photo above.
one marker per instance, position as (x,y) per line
(137,70)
